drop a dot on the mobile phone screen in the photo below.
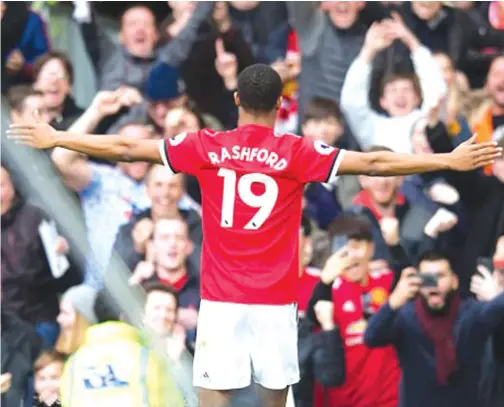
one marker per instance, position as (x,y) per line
(338,242)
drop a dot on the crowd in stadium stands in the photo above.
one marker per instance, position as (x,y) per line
(414,77)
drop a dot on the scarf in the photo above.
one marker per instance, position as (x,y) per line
(438,328)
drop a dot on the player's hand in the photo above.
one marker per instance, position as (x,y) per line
(188,317)
(484,285)
(406,289)
(15,61)
(324,311)
(38,135)
(335,266)
(61,246)
(143,271)
(390,230)
(141,234)
(221,16)
(226,65)
(5,382)
(442,221)
(471,155)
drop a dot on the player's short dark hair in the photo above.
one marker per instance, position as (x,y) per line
(319,108)
(53,54)
(106,308)
(354,227)
(433,255)
(259,87)
(152,286)
(16,96)
(306,226)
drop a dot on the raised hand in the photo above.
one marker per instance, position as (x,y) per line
(377,39)
(396,28)
(226,65)
(335,266)
(406,289)
(484,285)
(390,230)
(37,135)
(15,61)
(470,155)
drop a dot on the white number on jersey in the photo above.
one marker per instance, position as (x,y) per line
(265,202)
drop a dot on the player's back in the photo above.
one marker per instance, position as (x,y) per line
(252,184)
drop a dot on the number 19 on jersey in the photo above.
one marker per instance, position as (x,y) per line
(243,185)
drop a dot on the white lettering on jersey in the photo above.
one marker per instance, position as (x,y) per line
(322,148)
(248,154)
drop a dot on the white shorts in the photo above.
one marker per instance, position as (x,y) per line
(236,343)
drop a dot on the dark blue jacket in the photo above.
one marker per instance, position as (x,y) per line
(475,323)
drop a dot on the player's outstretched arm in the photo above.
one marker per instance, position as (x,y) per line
(112,148)
(466,157)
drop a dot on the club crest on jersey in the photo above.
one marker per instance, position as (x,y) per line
(176,140)
(322,148)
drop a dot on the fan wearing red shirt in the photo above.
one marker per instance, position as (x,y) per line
(252,183)
(371,377)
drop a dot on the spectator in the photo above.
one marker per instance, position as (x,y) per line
(264,26)
(491,387)
(459,34)
(323,121)
(490,125)
(24,39)
(439,338)
(483,200)
(399,224)
(186,120)
(371,377)
(321,354)
(53,76)
(165,192)
(309,276)
(160,315)
(164,90)
(166,262)
(24,101)
(30,286)
(129,63)
(330,37)
(109,196)
(76,315)
(20,348)
(48,370)
(210,88)
(114,366)
(400,94)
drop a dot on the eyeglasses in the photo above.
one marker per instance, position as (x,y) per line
(54,75)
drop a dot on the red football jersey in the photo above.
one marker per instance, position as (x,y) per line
(307,282)
(372,375)
(252,185)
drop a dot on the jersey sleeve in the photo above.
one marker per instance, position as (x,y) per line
(316,161)
(182,153)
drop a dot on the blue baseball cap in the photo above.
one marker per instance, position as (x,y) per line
(163,83)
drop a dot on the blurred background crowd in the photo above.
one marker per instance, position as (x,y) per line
(411,77)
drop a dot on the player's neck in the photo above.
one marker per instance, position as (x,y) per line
(246,118)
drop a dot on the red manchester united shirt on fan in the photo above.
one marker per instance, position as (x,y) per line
(252,184)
